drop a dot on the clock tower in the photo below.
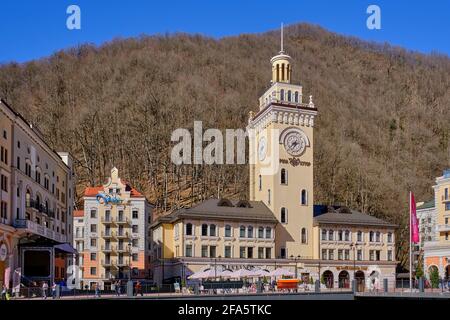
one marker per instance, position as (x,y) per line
(281,159)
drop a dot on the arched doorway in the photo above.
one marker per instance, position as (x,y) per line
(359,277)
(344,279)
(328,279)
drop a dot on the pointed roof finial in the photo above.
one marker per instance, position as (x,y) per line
(282,49)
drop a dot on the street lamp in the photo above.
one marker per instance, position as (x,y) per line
(129,260)
(215,266)
(295,259)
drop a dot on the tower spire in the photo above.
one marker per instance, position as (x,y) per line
(282,49)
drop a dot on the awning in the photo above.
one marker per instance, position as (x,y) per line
(66,247)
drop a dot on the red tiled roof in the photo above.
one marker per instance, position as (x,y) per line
(78,213)
(93,191)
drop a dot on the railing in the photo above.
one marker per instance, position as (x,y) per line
(446,198)
(108,263)
(123,220)
(444,227)
(123,235)
(109,248)
(41,230)
(110,234)
(107,219)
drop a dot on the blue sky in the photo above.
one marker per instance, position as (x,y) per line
(34,29)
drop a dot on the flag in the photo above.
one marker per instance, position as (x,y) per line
(414,225)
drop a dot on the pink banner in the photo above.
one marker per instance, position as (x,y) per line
(413,220)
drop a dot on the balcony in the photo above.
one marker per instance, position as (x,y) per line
(107,220)
(109,248)
(444,227)
(32,227)
(122,263)
(446,198)
(108,263)
(123,220)
(108,234)
(123,235)
(123,249)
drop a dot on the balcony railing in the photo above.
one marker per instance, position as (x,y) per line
(123,249)
(108,263)
(446,198)
(109,234)
(109,248)
(107,220)
(123,235)
(123,220)
(122,263)
(36,205)
(33,227)
(443,227)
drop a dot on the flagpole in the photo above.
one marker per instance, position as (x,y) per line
(410,244)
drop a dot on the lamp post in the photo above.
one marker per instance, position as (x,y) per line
(129,261)
(353,246)
(215,266)
(295,259)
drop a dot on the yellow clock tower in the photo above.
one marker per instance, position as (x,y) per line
(281,159)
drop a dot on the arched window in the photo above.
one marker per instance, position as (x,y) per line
(284,176)
(378,236)
(28,198)
(204,229)
(330,235)
(296,96)
(288,71)
(289,95)
(242,232)
(260,182)
(268,196)
(261,232)
(283,214)
(347,235)
(371,236)
(282,94)
(359,237)
(268,233)
(250,232)
(304,197)
(324,234)
(304,236)
(340,237)
(278,72)
(38,201)
(228,231)
(47,208)
(189,229)
(389,237)
(212,230)
(282,72)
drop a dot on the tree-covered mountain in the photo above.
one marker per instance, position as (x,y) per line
(383,126)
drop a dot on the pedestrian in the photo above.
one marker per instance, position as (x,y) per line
(139,289)
(4,291)
(54,290)
(44,289)
(97,290)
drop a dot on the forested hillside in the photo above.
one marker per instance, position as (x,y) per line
(383,127)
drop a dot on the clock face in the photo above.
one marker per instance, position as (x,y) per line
(294,143)
(262,149)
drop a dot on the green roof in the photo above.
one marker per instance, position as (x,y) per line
(426,205)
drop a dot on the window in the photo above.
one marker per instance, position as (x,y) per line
(18,163)
(260,182)
(135,228)
(135,257)
(135,214)
(378,236)
(304,198)
(340,257)
(228,231)
(5,136)
(268,233)
(249,232)
(282,93)
(371,236)
(447,206)
(93,256)
(340,238)
(3,210)
(346,254)
(189,229)
(359,236)
(359,256)
(4,183)
(260,253)
(371,255)
(212,230)
(283,176)
(389,255)
(250,252)
(324,254)
(93,242)
(268,253)
(296,96)
(324,234)
(241,252)
(304,236)
(93,271)
(283,217)
(227,252)
(389,237)
(377,255)
(261,232)
(93,228)
(189,250)
(268,196)
(242,232)
(204,230)
(93,214)
(204,251)
(283,253)
(135,243)
(331,254)
(347,235)
(446,236)
(330,235)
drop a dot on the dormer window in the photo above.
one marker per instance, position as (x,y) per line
(225,203)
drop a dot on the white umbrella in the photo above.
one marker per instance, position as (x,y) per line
(226,274)
(282,272)
(242,273)
(197,275)
(262,273)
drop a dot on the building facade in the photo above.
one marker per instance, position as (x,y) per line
(115,241)
(321,242)
(39,186)
(436,252)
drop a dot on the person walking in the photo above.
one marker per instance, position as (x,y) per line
(44,289)
(54,290)
(4,291)
(97,290)
(139,289)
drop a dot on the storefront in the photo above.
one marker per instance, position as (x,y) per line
(5,257)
